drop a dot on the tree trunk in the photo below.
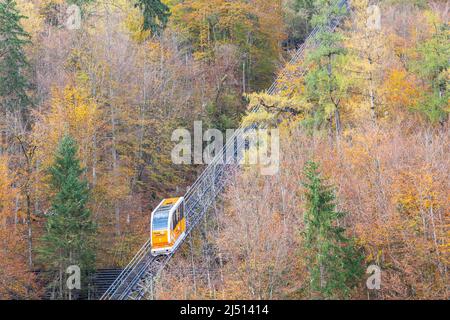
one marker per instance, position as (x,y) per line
(30,230)
(113,122)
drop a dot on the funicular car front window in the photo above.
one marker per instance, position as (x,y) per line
(160,220)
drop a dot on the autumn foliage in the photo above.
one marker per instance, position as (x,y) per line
(389,165)
(370,106)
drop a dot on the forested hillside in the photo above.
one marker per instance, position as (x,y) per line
(371,112)
(87,111)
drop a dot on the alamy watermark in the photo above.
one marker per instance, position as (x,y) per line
(374,19)
(254,147)
(64,16)
(74,279)
(374,280)
(73,14)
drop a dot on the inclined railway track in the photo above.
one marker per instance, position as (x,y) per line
(138,277)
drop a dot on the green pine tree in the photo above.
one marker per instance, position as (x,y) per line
(70,231)
(13,62)
(325,84)
(156,15)
(334,263)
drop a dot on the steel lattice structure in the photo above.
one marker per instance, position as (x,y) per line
(138,277)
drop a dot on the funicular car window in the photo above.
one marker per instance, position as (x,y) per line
(174,220)
(160,220)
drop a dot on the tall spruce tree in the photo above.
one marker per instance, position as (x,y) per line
(325,84)
(13,62)
(156,15)
(69,231)
(334,263)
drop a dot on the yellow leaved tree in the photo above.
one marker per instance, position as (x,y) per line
(16,280)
